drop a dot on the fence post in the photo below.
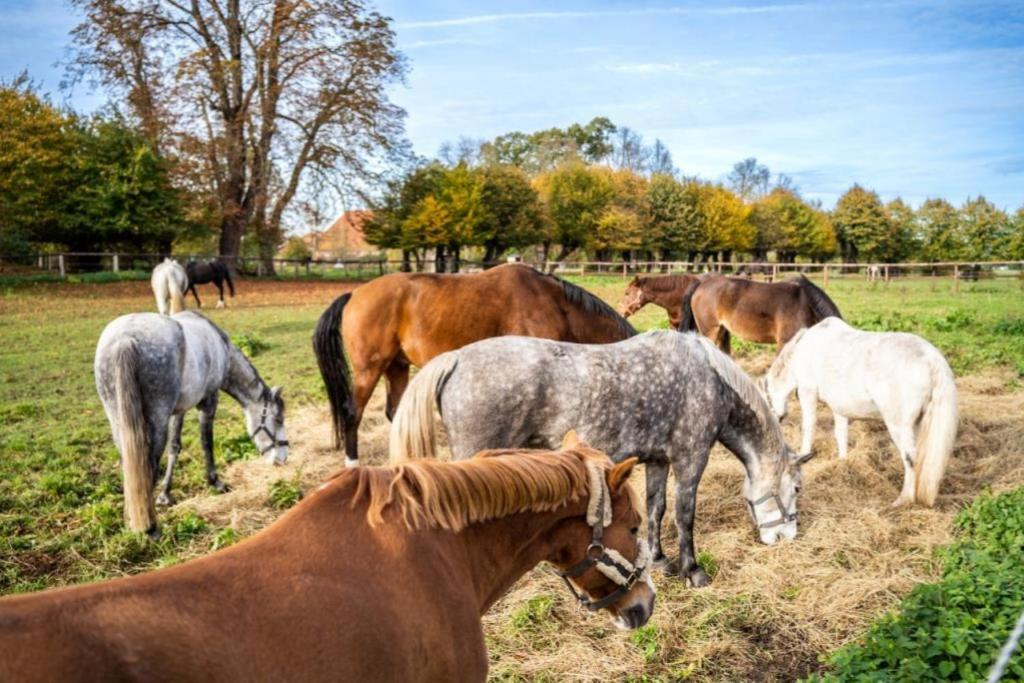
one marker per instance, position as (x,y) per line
(956,278)
(624,273)
(117,264)
(825,276)
(886,274)
(775,272)
(380,267)
(60,265)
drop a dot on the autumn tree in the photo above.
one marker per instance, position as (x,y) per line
(939,231)
(265,97)
(575,197)
(862,226)
(986,230)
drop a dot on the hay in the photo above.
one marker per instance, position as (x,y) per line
(770,611)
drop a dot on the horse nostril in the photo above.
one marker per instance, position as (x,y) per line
(635,616)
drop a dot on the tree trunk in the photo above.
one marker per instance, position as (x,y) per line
(406,266)
(439,259)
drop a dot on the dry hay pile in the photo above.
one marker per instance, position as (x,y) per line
(770,612)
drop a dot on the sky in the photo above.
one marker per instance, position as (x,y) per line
(910,98)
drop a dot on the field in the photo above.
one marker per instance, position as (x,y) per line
(770,613)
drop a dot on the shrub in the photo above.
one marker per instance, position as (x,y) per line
(956,627)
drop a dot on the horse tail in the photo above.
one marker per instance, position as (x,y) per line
(937,434)
(413,436)
(177,293)
(136,466)
(820,303)
(227,276)
(688,323)
(330,356)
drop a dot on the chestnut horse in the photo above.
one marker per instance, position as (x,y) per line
(380,575)
(408,318)
(666,291)
(768,313)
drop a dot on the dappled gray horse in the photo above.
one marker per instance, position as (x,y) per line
(151,369)
(664,397)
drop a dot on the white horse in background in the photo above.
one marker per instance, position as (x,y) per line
(169,282)
(896,377)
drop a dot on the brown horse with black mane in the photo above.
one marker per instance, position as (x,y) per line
(381,575)
(666,291)
(406,319)
(768,313)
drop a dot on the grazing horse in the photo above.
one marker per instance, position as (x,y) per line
(382,574)
(169,283)
(202,272)
(150,370)
(896,377)
(663,397)
(768,313)
(402,319)
(666,291)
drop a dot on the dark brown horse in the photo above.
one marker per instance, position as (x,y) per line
(666,291)
(402,319)
(768,313)
(381,575)
(202,272)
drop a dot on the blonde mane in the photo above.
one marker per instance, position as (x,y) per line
(731,373)
(780,365)
(493,484)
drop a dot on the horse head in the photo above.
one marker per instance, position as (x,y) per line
(264,419)
(603,556)
(771,495)
(633,299)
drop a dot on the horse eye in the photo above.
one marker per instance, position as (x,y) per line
(635,530)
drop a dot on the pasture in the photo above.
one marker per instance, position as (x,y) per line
(770,612)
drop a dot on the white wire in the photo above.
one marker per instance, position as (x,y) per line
(999,668)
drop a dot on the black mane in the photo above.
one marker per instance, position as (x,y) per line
(578,296)
(821,305)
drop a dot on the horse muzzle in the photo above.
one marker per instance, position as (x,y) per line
(636,614)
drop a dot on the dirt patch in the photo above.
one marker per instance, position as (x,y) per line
(770,611)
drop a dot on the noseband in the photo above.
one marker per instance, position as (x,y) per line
(607,561)
(262,427)
(784,517)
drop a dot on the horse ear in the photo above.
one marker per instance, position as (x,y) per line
(619,474)
(801,459)
(275,393)
(570,440)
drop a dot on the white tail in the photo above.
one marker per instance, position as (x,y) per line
(937,434)
(139,513)
(413,436)
(177,296)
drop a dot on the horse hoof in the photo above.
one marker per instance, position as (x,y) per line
(220,304)
(659,562)
(165,499)
(220,487)
(901,502)
(698,579)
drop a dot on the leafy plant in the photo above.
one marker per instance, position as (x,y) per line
(646,638)
(250,343)
(284,493)
(534,612)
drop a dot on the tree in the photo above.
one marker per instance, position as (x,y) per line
(902,230)
(513,214)
(749,179)
(575,198)
(263,96)
(673,214)
(1015,249)
(986,230)
(862,226)
(296,249)
(661,159)
(629,150)
(940,234)
(622,225)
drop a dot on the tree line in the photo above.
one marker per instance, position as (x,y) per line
(598,191)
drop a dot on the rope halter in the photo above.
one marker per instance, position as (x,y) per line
(784,517)
(262,427)
(608,561)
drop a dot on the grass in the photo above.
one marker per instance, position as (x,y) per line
(770,613)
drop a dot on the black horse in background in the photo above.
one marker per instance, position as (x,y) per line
(202,272)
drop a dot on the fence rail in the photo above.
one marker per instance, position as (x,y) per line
(63,263)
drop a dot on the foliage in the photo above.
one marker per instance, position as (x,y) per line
(296,249)
(862,226)
(250,343)
(284,493)
(956,627)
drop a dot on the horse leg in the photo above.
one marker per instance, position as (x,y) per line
(165,497)
(903,437)
(195,294)
(808,417)
(724,339)
(207,411)
(657,486)
(687,479)
(220,292)
(397,376)
(363,384)
(842,434)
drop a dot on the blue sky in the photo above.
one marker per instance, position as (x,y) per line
(907,97)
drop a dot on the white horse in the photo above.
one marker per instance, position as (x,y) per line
(169,282)
(896,377)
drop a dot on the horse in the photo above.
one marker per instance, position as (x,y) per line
(666,291)
(150,370)
(202,272)
(768,313)
(408,318)
(169,283)
(382,574)
(662,397)
(895,377)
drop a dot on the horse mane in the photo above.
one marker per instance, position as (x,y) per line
(782,361)
(737,380)
(491,485)
(663,283)
(821,305)
(578,296)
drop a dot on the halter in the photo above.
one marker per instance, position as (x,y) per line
(784,517)
(606,560)
(262,427)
